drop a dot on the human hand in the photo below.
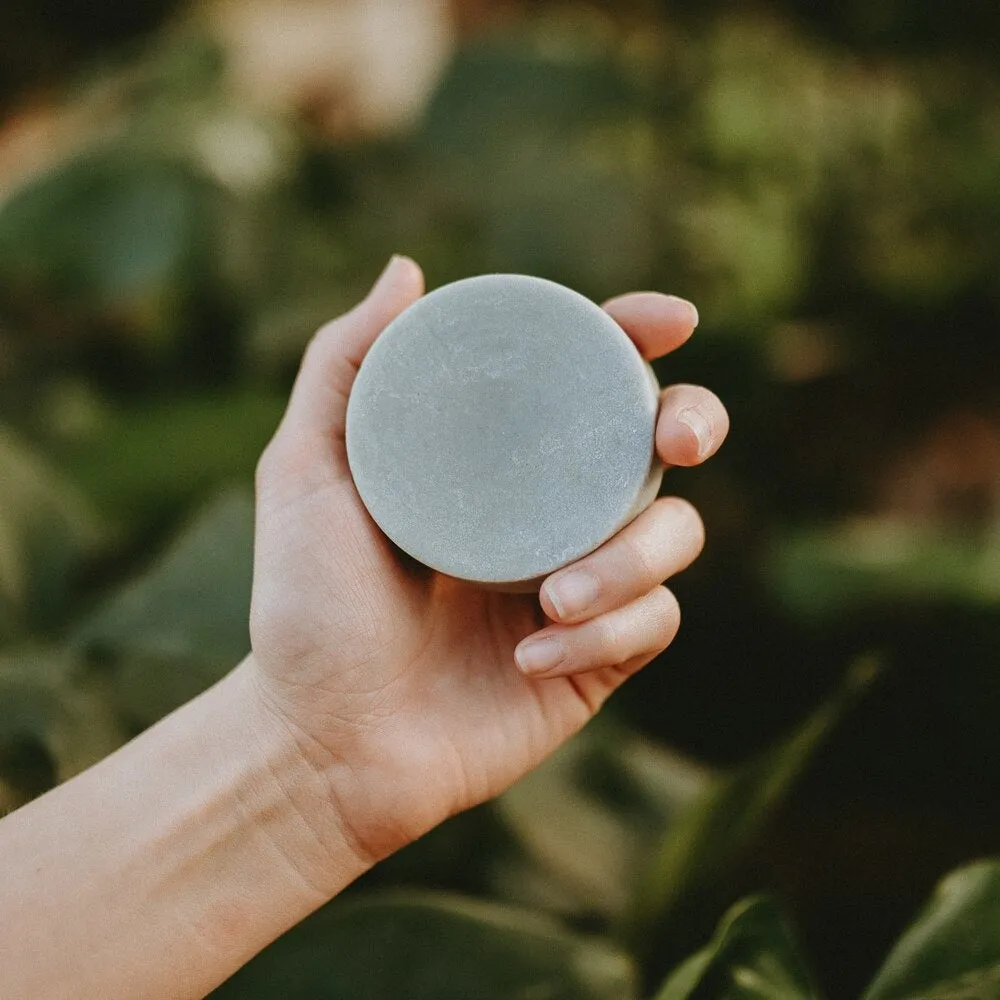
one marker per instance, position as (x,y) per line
(400,685)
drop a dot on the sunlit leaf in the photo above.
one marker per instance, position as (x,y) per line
(826,571)
(752,956)
(586,819)
(952,950)
(428,947)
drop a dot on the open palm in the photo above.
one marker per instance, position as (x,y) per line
(401,683)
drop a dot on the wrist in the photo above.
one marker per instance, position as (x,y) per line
(362,787)
(188,850)
(298,807)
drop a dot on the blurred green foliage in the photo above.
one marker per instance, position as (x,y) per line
(751,955)
(826,186)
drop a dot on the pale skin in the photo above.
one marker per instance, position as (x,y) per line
(379,699)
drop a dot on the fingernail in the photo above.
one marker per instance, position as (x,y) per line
(390,274)
(696,423)
(690,307)
(539,656)
(573,592)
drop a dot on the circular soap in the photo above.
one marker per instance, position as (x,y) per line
(502,427)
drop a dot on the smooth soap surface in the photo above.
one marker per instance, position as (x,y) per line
(502,427)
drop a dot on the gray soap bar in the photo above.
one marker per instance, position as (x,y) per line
(502,427)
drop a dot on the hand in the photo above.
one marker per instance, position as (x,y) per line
(403,686)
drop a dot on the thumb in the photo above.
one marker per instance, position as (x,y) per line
(318,404)
(399,285)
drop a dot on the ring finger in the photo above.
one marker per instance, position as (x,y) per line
(639,629)
(664,539)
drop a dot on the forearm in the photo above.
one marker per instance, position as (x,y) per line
(161,870)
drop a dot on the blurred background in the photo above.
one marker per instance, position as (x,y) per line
(188,190)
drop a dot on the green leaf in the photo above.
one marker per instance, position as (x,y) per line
(749,248)
(108,228)
(422,946)
(501,88)
(183,624)
(711,835)
(586,819)
(46,529)
(143,461)
(530,143)
(826,571)
(50,710)
(752,956)
(952,950)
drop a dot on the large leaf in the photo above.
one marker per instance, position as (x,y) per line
(145,460)
(46,529)
(545,157)
(54,722)
(183,624)
(110,229)
(825,571)
(752,956)
(432,947)
(712,834)
(952,950)
(586,819)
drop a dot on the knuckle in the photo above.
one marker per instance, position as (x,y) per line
(684,514)
(313,348)
(608,644)
(667,615)
(287,463)
(639,555)
(318,342)
(267,466)
(323,351)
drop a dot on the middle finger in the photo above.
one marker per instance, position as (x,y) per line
(664,539)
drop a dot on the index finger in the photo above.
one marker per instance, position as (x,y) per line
(656,323)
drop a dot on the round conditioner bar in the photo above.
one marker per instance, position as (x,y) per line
(502,427)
